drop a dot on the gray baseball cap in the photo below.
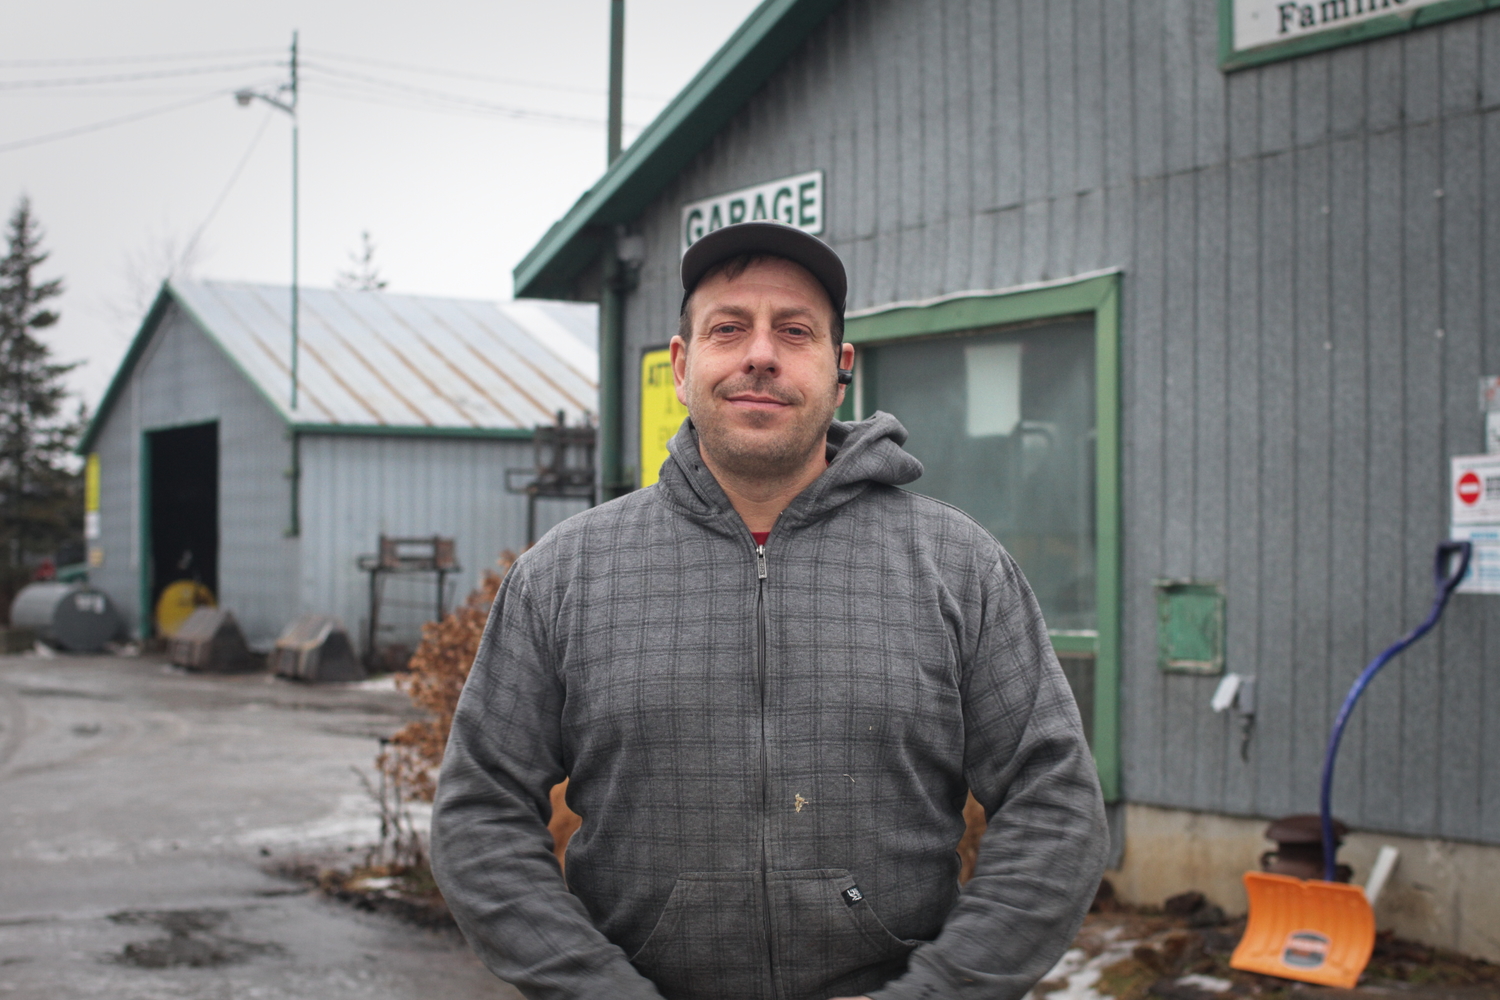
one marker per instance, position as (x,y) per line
(773,238)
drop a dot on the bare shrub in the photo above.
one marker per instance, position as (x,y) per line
(433,681)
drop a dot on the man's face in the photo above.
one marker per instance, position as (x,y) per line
(760,378)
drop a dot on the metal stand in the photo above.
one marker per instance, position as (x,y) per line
(564,467)
(402,556)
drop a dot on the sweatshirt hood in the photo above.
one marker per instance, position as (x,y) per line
(861,454)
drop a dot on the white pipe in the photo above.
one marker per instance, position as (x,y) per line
(1385,863)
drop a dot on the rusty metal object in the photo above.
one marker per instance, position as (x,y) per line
(211,640)
(316,648)
(564,467)
(403,555)
(1299,847)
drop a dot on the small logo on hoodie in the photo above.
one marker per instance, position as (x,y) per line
(852,895)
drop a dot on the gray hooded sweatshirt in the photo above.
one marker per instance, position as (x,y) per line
(769,748)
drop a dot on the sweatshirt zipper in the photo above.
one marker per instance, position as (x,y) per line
(765,775)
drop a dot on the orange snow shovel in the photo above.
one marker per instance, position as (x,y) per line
(1319,930)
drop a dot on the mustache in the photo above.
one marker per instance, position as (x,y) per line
(760,385)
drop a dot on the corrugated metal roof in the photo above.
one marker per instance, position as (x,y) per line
(376,359)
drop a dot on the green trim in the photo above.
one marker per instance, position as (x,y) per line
(1362,31)
(73,573)
(164,298)
(1075,642)
(143,618)
(973,310)
(294,477)
(1098,294)
(416,430)
(615,479)
(122,373)
(756,50)
(1108,502)
(202,324)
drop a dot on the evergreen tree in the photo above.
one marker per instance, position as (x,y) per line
(364,276)
(40,489)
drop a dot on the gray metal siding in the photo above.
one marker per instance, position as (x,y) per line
(1288,404)
(355,488)
(182,378)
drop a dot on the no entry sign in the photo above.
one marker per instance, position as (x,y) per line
(1470,488)
(1475,496)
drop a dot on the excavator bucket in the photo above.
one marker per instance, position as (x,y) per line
(1313,931)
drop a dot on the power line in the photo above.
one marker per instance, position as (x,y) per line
(122,60)
(334,89)
(136,93)
(192,243)
(481,77)
(111,122)
(454,100)
(86,81)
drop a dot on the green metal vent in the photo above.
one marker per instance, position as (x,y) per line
(1190,627)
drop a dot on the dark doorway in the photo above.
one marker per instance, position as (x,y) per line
(184,507)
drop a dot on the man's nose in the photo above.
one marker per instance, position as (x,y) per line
(760,352)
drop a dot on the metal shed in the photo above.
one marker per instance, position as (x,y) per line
(1272,249)
(411,410)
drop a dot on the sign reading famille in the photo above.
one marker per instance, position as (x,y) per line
(796,201)
(1261,22)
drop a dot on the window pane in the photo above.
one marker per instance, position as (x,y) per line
(1003,422)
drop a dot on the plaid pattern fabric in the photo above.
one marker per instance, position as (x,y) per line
(769,820)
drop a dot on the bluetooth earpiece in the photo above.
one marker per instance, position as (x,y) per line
(846,375)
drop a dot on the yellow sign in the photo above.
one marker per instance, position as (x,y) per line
(91,482)
(661,413)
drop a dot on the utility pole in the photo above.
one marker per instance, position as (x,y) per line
(612,307)
(616,75)
(287,104)
(296,271)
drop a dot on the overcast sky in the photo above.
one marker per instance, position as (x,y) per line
(455,131)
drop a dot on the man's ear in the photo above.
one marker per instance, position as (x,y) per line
(846,362)
(679,367)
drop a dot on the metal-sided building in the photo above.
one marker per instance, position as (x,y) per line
(1184,301)
(410,413)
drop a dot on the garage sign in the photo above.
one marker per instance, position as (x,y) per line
(796,201)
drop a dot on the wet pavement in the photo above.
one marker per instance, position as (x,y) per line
(143,812)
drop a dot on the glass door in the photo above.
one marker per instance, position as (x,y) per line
(1003,420)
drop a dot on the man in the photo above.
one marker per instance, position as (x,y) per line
(772,678)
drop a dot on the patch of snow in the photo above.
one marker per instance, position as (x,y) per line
(1208,984)
(373,884)
(1081,972)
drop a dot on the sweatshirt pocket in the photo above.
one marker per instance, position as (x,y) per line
(828,939)
(709,940)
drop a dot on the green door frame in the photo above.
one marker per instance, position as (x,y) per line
(1097,294)
(143,617)
(147,610)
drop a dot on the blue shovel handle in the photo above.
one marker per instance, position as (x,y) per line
(1445,583)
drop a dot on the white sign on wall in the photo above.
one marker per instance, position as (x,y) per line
(1475,489)
(796,201)
(1263,22)
(1483,576)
